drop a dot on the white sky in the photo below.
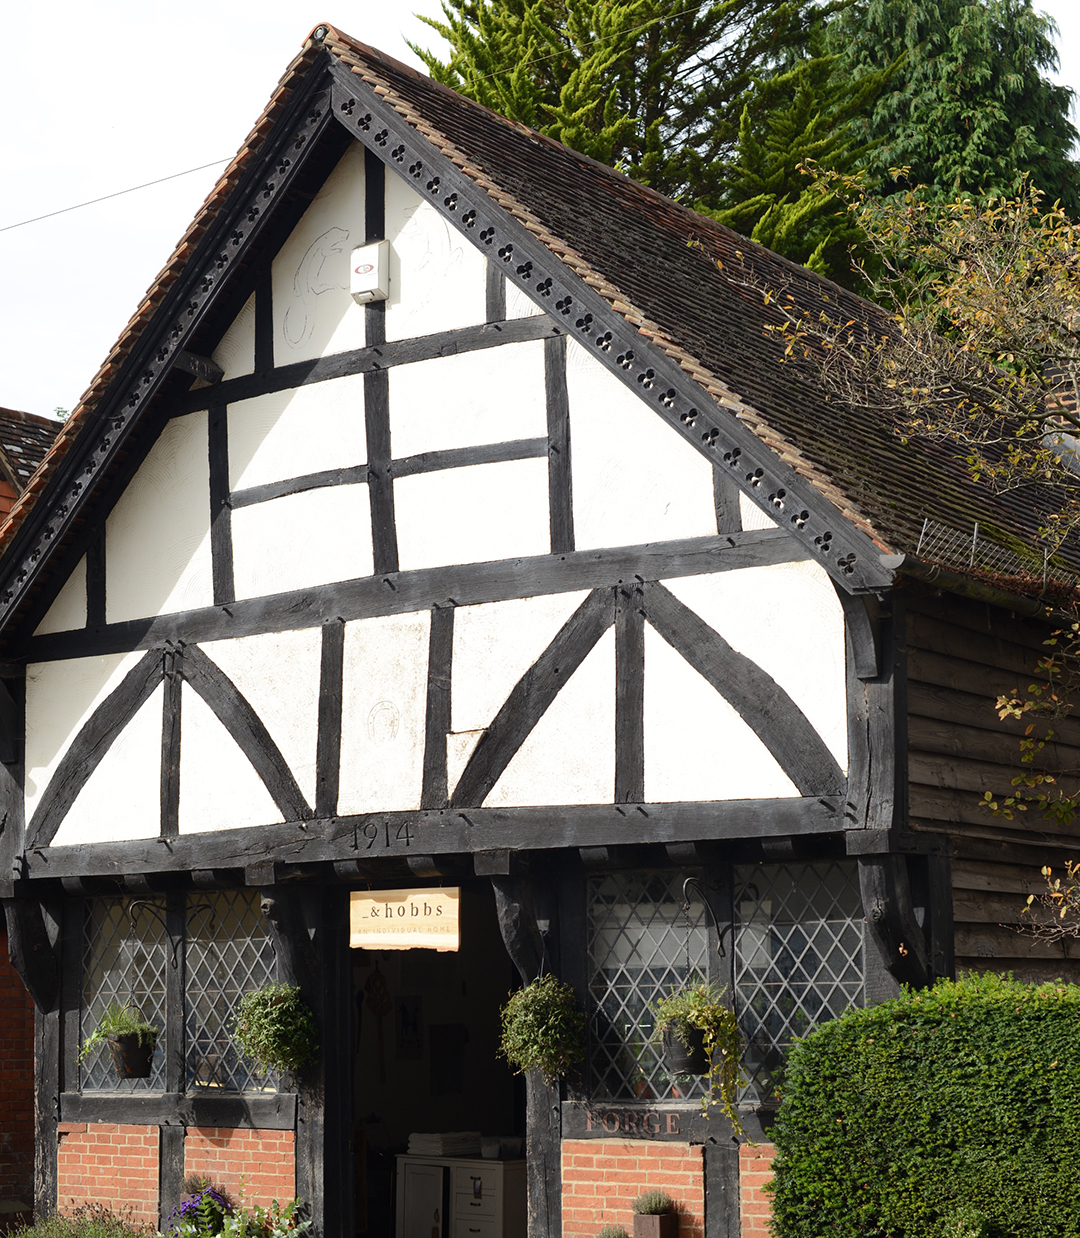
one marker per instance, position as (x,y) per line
(100,97)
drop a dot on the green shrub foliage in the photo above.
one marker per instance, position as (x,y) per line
(543,1028)
(653,1204)
(276,1029)
(947,1113)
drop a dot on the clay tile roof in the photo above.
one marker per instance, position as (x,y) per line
(24,440)
(687,283)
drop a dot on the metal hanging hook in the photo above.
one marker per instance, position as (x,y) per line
(720,932)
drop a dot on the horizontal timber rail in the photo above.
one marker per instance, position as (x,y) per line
(400,592)
(444,831)
(275,1112)
(365,361)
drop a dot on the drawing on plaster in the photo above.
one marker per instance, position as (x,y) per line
(384,713)
(679,702)
(61,697)
(274,550)
(569,755)
(157,537)
(313,277)
(286,434)
(314,313)
(122,797)
(615,437)
(219,787)
(235,352)
(278,674)
(437,279)
(786,618)
(68,609)
(492,396)
(473,515)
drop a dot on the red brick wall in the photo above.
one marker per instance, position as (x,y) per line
(16,1084)
(259,1164)
(601,1177)
(113,1165)
(755,1170)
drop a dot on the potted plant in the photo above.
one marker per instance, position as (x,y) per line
(131,1040)
(543,1028)
(655,1215)
(612,1231)
(276,1029)
(701,1036)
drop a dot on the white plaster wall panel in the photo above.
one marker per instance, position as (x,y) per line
(235,352)
(752,515)
(472,515)
(68,609)
(635,480)
(494,645)
(383,715)
(788,619)
(725,761)
(278,675)
(460,746)
(437,278)
(518,305)
(157,537)
(219,787)
(60,697)
(569,756)
(290,433)
(314,313)
(491,396)
(302,539)
(122,797)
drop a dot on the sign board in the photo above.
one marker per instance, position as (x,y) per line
(404,919)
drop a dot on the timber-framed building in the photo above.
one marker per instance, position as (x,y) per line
(543,577)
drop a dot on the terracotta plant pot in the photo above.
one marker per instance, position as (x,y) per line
(660,1225)
(689,1059)
(131,1059)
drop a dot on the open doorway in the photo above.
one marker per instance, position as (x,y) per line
(426,1054)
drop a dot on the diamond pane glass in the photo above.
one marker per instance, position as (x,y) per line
(228,953)
(798,958)
(124,960)
(641,946)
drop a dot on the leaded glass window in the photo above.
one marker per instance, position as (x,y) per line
(798,958)
(794,960)
(228,954)
(641,946)
(223,951)
(125,950)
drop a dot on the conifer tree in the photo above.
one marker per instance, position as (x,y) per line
(971,109)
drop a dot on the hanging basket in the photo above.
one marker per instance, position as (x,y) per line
(132,1055)
(689,1058)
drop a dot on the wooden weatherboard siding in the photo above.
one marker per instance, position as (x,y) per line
(961,655)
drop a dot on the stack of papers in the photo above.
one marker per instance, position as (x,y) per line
(452,1143)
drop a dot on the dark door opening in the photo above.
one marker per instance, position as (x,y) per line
(426,1053)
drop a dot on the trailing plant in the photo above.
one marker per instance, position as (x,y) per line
(119,1019)
(700,1006)
(948,1112)
(276,1029)
(543,1028)
(653,1204)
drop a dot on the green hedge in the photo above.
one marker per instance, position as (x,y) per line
(948,1113)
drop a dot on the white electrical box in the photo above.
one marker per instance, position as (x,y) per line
(370,272)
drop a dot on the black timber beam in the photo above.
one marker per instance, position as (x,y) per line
(436,832)
(398,593)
